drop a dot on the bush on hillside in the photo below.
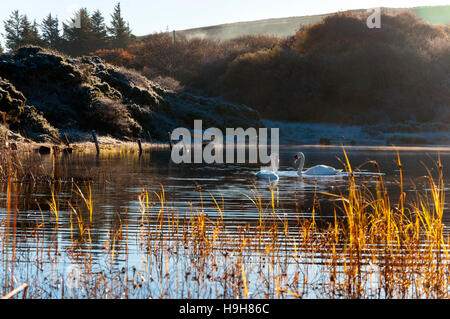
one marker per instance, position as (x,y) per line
(339,70)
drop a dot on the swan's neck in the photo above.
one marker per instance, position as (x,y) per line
(302,163)
(274,162)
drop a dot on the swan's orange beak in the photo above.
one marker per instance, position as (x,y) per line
(295,159)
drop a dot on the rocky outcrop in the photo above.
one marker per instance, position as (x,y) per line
(45,94)
(21,117)
(11,101)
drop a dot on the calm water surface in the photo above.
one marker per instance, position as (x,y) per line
(117,180)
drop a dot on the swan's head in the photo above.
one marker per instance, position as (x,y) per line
(298,159)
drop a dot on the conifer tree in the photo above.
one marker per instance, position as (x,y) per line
(119,31)
(20,31)
(99,32)
(50,32)
(78,34)
(13,31)
(29,32)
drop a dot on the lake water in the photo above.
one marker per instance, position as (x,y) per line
(118,179)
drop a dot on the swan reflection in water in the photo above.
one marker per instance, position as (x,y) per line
(271,174)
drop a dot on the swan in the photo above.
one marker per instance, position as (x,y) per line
(315,170)
(270,173)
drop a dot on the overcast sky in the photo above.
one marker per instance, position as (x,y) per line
(147,16)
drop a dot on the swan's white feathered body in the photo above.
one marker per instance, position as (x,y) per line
(318,170)
(321,170)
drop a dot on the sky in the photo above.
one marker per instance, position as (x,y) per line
(148,16)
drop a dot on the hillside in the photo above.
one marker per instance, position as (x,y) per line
(333,71)
(284,27)
(281,27)
(44,95)
(336,70)
(340,71)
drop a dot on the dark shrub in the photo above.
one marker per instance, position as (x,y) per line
(112,117)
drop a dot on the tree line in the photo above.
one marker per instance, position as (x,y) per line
(84,33)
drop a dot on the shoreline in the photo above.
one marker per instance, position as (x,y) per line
(291,134)
(133,147)
(84,147)
(376,135)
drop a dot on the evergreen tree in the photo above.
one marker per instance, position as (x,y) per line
(85,33)
(120,31)
(13,31)
(78,35)
(29,32)
(50,32)
(20,31)
(99,31)
(1,49)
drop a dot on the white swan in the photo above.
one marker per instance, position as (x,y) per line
(315,170)
(270,173)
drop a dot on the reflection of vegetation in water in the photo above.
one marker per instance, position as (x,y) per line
(372,248)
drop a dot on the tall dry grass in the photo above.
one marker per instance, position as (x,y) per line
(377,246)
